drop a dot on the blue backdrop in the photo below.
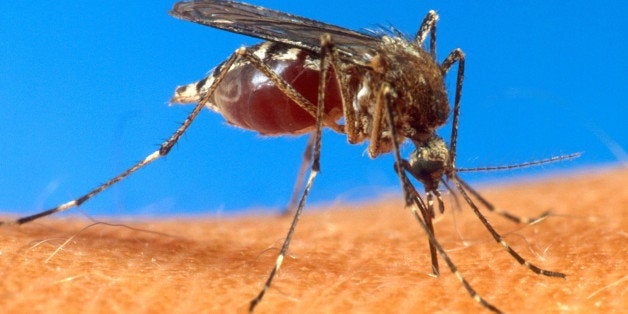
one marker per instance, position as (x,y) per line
(85,85)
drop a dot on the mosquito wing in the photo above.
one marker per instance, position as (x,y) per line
(276,26)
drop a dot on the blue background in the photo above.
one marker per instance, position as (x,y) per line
(85,85)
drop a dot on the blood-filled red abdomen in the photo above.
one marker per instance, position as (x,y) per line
(247,98)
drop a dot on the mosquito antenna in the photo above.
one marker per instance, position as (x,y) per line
(523,165)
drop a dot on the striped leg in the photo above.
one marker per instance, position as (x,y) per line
(455,55)
(491,207)
(428,215)
(427,211)
(458,55)
(314,169)
(298,184)
(498,237)
(447,260)
(408,189)
(163,150)
(428,25)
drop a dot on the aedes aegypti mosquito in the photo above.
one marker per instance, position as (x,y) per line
(383,87)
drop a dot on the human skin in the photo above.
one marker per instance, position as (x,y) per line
(364,258)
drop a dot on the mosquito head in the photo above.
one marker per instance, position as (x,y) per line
(429,162)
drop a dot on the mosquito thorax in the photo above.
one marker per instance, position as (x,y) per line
(429,162)
(421,102)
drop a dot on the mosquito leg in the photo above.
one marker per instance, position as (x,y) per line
(428,25)
(499,238)
(427,218)
(286,243)
(406,190)
(376,133)
(352,125)
(163,150)
(430,203)
(456,55)
(491,207)
(452,266)
(427,211)
(314,169)
(351,129)
(298,185)
(439,199)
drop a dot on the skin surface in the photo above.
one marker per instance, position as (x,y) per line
(360,258)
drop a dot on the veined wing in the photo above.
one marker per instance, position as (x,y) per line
(276,26)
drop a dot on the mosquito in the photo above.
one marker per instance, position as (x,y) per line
(379,87)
